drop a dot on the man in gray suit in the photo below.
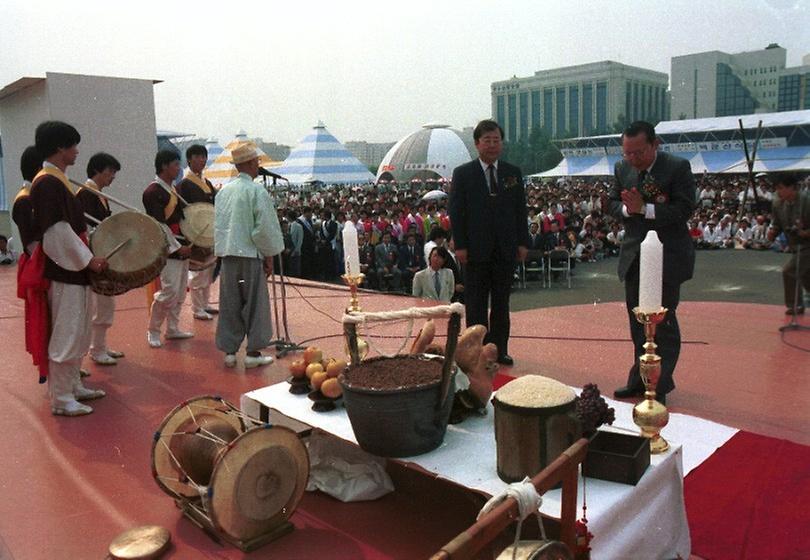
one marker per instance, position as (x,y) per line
(653,191)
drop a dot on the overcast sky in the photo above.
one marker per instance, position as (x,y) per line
(372,71)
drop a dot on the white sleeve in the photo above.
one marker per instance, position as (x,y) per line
(649,212)
(65,248)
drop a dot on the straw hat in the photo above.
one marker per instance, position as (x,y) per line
(243,152)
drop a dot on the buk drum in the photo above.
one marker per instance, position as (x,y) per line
(241,482)
(135,248)
(197,224)
(201,258)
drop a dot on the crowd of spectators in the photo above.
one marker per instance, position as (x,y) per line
(398,228)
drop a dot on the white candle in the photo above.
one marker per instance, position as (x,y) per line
(651,273)
(351,251)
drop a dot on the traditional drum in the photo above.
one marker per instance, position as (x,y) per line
(535,421)
(201,258)
(536,550)
(135,248)
(197,224)
(238,483)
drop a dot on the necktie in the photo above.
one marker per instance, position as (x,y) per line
(641,176)
(436,283)
(493,180)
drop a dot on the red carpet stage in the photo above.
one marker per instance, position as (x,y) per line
(70,485)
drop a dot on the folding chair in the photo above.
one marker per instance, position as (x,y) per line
(534,263)
(559,261)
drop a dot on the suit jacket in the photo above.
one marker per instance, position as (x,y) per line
(383,258)
(406,260)
(538,242)
(673,207)
(488,227)
(554,240)
(423,284)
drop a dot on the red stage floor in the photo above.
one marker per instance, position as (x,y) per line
(70,485)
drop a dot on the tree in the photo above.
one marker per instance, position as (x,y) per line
(533,154)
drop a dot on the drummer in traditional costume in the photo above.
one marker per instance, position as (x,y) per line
(194,188)
(67,260)
(21,211)
(162,203)
(246,237)
(101,170)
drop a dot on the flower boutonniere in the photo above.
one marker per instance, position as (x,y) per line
(651,191)
(510,182)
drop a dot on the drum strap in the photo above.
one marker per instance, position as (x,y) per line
(55,172)
(169,209)
(197,180)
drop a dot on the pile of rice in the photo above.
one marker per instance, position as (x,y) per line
(535,391)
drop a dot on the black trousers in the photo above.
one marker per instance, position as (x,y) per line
(667,334)
(488,283)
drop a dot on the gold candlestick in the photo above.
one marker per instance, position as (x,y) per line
(650,415)
(353,280)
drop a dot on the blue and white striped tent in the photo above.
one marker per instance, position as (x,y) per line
(214,150)
(321,157)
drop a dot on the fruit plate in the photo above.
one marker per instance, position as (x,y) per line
(322,403)
(298,385)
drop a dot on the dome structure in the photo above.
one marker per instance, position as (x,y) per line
(430,153)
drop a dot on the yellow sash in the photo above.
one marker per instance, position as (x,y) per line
(197,180)
(55,172)
(101,199)
(24,191)
(169,209)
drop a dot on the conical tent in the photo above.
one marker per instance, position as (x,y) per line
(321,157)
(222,170)
(214,150)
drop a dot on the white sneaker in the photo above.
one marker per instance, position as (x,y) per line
(83,393)
(104,359)
(230,360)
(256,361)
(178,335)
(70,408)
(203,316)
(153,339)
(114,354)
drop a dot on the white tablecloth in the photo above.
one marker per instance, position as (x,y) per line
(646,521)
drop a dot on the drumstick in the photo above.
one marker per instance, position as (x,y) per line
(107,196)
(116,249)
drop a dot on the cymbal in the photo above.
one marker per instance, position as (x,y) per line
(140,543)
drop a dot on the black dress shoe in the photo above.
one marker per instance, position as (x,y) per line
(627,392)
(506,360)
(798,311)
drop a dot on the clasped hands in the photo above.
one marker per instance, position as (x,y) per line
(633,201)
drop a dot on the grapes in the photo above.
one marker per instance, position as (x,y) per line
(592,410)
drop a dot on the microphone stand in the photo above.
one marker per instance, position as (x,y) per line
(794,323)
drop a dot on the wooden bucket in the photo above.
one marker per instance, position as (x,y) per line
(529,438)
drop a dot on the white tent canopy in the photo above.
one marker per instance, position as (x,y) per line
(320,157)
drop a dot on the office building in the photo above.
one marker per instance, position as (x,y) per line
(718,84)
(579,100)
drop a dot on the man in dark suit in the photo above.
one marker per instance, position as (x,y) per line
(489,222)
(653,191)
(411,260)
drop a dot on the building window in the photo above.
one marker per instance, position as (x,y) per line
(500,103)
(635,103)
(628,101)
(524,114)
(548,111)
(536,109)
(511,119)
(601,108)
(587,109)
(560,132)
(573,110)
(732,97)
